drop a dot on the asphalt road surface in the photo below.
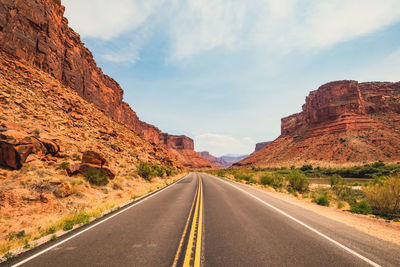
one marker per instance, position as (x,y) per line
(205,220)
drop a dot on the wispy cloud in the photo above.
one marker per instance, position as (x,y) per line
(105,19)
(218,144)
(197,26)
(281,25)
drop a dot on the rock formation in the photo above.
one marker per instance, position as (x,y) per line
(37,32)
(343,122)
(16,145)
(259,146)
(94,160)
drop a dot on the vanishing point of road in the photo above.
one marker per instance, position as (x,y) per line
(203,220)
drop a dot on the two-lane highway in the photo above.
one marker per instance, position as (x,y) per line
(208,221)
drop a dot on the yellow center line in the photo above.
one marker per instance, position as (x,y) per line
(178,252)
(189,248)
(200,227)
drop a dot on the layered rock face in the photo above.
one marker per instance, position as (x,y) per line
(341,122)
(37,32)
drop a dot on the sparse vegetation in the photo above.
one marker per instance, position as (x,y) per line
(148,171)
(384,197)
(378,195)
(64,165)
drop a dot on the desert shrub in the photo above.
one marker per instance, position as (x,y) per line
(307,167)
(337,184)
(68,225)
(377,169)
(221,173)
(322,200)
(96,176)
(148,171)
(351,196)
(272,180)
(384,198)
(50,230)
(361,207)
(242,176)
(170,171)
(64,165)
(298,181)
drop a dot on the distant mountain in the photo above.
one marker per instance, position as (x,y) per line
(260,146)
(224,161)
(231,159)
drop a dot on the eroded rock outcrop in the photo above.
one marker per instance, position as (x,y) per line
(16,145)
(37,32)
(94,160)
(343,122)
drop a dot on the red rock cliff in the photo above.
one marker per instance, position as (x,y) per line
(37,32)
(341,122)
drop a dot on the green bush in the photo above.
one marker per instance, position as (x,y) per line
(64,165)
(306,168)
(272,180)
(145,171)
(170,171)
(361,207)
(148,171)
(68,225)
(242,176)
(322,200)
(298,181)
(96,176)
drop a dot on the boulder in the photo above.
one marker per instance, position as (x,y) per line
(9,157)
(73,169)
(63,190)
(84,167)
(16,146)
(51,146)
(91,157)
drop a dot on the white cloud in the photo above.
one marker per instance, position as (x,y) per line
(107,19)
(196,26)
(219,145)
(282,25)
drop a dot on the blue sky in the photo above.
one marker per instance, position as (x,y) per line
(224,72)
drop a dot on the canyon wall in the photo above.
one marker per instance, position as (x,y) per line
(343,122)
(37,32)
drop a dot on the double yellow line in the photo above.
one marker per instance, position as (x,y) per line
(193,248)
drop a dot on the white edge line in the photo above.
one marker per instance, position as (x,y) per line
(305,225)
(94,225)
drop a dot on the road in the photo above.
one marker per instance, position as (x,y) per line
(205,220)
